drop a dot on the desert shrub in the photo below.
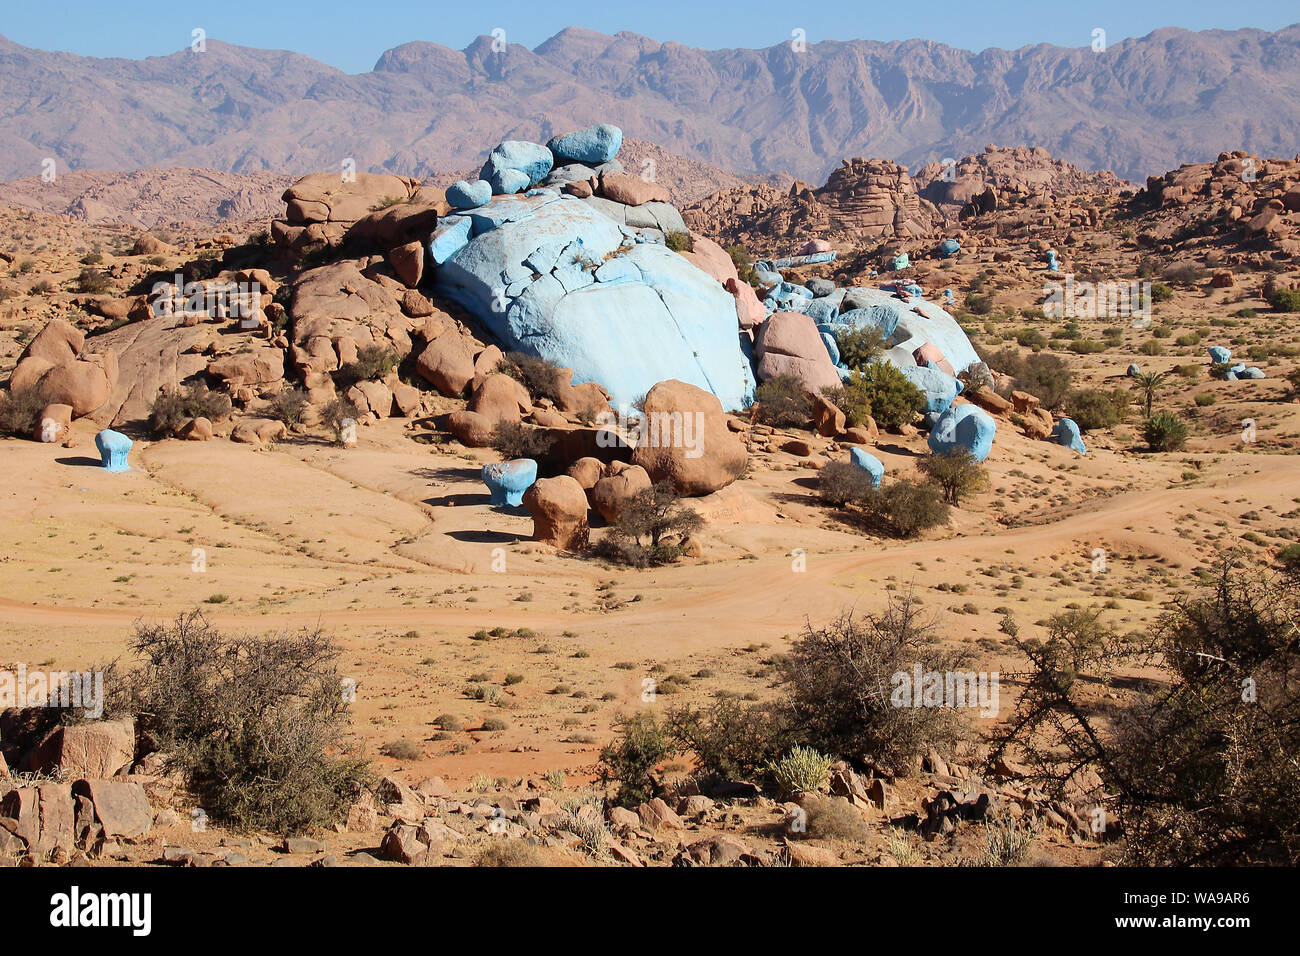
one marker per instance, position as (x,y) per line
(853,402)
(641,744)
(802,770)
(652,528)
(1151,347)
(1198,765)
(1097,408)
(1032,339)
(1285,300)
(288,406)
(679,242)
(841,482)
(783,402)
(1293,379)
(1204,399)
(19,413)
(957,474)
(1164,431)
(903,508)
(257,726)
(1161,292)
(978,304)
(1289,558)
(513,440)
(509,853)
(1045,376)
(838,682)
(402,750)
(171,409)
(884,391)
(1007,844)
(541,377)
(859,347)
(730,739)
(336,415)
(372,362)
(93,281)
(743,261)
(832,818)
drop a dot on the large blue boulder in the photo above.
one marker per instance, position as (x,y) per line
(1218,354)
(1066,433)
(868,463)
(1251,371)
(964,427)
(465,195)
(531,159)
(594,145)
(949,248)
(880,317)
(451,235)
(113,449)
(940,388)
(910,325)
(508,181)
(508,480)
(550,276)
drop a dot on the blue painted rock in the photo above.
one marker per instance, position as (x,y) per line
(1052,264)
(506,182)
(1066,433)
(963,427)
(113,449)
(868,463)
(900,262)
(450,236)
(1251,372)
(508,480)
(949,247)
(531,159)
(595,144)
(820,287)
(465,195)
(822,310)
(880,317)
(550,276)
(1218,354)
(1133,370)
(939,387)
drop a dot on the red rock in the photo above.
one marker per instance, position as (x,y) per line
(54,423)
(121,808)
(687,440)
(749,311)
(447,363)
(788,343)
(611,494)
(559,510)
(710,257)
(91,749)
(631,190)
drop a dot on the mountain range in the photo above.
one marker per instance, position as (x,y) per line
(1140,107)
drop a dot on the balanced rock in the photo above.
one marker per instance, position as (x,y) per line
(113,449)
(508,480)
(685,440)
(559,509)
(593,145)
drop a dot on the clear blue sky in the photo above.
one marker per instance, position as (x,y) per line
(352,34)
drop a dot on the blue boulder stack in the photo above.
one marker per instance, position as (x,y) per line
(516,165)
(508,480)
(465,195)
(966,428)
(1066,433)
(1219,355)
(939,387)
(113,449)
(869,463)
(593,145)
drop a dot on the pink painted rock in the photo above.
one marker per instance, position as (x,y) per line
(710,257)
(929,352)
(788,343)
(749,311)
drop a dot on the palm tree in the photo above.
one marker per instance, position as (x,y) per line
(1148,383)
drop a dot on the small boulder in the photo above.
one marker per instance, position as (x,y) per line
(467,195)
(869,463)
(559,509)
(113,449)
(1067,433)
(685,440)
(965,427)
(54,424)
(508,480)
(612,493)
(593,145)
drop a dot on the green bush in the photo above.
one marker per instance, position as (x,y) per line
(630,760)
(883,391)
(1164,431)
(541,377)
(859,347)
(1161,292)
(1289,558)
(373,362)
(783,403)
(335,416)
(93,281)
(1285,300)
(841,483)
(730,739)
(1045,376)
(652,528)
(258,727)
(1204,399)
(903,508)
(679,242)
(956,473)
(802,770)
(743,261)
(513,440)
(19,413)
(288,406)
(1097,408)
